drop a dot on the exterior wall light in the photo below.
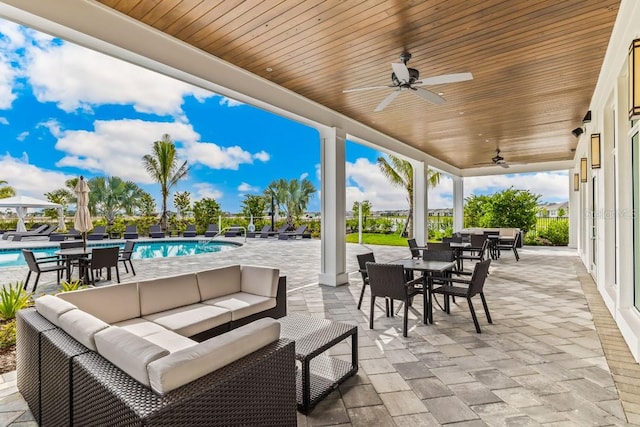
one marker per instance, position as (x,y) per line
(576,182)
(583,169)
(634,80)
(595,151)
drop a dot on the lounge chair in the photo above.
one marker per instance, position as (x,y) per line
(46,232)
(190,231)
(212,231)
(98,233)
(234,231)
(155,231)
(58,237)
(300,232)
(280,230)
(265,230)
(131,232)
(13,234)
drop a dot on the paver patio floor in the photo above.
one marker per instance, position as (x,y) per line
(541,362)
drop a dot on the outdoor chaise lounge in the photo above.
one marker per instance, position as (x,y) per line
(265,231)
(300,232)
(34,231)
(234,231)
(212,231)
(155,231)
(46,232)
(131,232)
(190,231)
(98,233)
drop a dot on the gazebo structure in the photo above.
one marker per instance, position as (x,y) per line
(23,203)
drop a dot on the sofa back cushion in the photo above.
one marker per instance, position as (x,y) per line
(82,327)
(111,304)
(184,366)
(128,352)
(219,281)
(168,292)
(51,308)
(259,280)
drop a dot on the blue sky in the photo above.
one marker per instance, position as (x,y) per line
(67,111)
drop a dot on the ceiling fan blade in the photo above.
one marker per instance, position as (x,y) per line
(445,78)
(366,88)
(427,95)
(387,100)
(504,165)
(402,73)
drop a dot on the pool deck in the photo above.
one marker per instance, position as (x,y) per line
(551,357)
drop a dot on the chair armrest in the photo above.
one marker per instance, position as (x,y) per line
(419,280)
(47,259)
(454,280)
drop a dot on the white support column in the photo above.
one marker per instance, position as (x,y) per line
(333,262)
(574,211)
(420,203)
(458,202)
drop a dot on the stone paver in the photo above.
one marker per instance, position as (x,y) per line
(547,359)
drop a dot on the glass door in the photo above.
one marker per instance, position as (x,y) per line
(594,227)
(635,169)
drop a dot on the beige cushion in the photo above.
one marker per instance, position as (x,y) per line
(170,341)
(260,280)
(168,292)
(140,327)
(219,281)
(110,304)
(82,326)
(191,319)
(51,308)
(128,352)
(242,304)
(184,366)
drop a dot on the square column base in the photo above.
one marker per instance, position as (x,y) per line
(333,279)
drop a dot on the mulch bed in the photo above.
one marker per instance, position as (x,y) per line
(8,359)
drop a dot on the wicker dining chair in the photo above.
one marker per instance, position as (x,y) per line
(453,286)
(363,259)
(101,258)
(388,281)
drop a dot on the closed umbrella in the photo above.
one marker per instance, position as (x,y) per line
(82,219)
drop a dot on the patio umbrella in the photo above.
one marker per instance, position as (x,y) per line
(82,219)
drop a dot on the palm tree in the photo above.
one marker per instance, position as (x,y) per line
(291,197)
(112,195)
(6,190)
(162,166)
(400,174)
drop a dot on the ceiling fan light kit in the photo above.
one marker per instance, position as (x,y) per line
(404,78)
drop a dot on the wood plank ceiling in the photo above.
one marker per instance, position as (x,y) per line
(535,63)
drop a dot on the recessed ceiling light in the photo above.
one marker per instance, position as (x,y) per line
(440,93)
(269,69)
(461,112)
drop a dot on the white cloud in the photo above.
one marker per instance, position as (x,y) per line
(304,176)
(77,78)
(229,102)
(204,189)
(263,156)
(22,136)
(28,179)
(217,157)
(366,182)
(116,147)
(247,188)
(4,121)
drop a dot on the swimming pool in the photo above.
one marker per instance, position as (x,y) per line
(142,250)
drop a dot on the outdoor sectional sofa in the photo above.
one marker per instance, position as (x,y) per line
(199,348)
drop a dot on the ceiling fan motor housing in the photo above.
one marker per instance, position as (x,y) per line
(414,76)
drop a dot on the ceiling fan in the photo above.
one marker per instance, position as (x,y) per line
(404,78)
(496,160)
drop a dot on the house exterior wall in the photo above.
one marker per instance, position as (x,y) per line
(602,211)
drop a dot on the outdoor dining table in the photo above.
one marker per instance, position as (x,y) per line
(428,268)
(69,254)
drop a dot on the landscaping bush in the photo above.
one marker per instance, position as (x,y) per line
(8,334)
(13,298)
(557,233)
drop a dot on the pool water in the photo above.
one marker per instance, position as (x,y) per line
(142,250)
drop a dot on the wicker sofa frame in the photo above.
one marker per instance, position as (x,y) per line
(65,383)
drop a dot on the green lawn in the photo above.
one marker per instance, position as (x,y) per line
(378,239)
